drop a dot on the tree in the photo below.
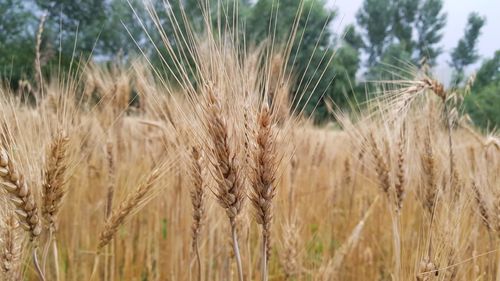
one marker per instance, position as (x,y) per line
(465,53)
(353,38)
(388,23)
(405,13)
(311,52)
(373,18)
(122,27)
(393,64)
(12,25)
(484,101)
(16,43)
(429,24)
(183,17)
(488,73)
(346,64)
(67,17)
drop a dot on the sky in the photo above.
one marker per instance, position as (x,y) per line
(457,11)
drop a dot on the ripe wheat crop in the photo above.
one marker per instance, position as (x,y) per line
(116,173)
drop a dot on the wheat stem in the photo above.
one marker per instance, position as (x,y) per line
(55,253)
(236,250)
(264,275)
(38,269)
(397,247)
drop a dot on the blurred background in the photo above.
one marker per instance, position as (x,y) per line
(339,45)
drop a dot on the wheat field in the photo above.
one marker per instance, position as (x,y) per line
(115,173)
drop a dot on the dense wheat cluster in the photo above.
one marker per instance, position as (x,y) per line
(116,173)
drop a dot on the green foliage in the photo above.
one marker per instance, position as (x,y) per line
(483,104)
(13,15)
(122,28)
(311,53)
(70,21)
(465,53)
(373,18)
(405,13)
(488,73)
(16,44)
(430,22)
(393,64)
(353,38)
(346,63)
(390,23)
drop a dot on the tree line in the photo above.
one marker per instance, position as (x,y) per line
(387,36)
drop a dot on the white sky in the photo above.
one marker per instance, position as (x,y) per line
(457,11)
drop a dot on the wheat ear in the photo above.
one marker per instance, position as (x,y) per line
(110,160)
(263,182)
(11,250)
(122,213)
(381,166)
(24,202)
(53,191)
(290,253)
(430,174)
(197,200)
(21,196)
(230,189)
(129,206)
(55,179)
(38,64)
(483,210)
(400,184)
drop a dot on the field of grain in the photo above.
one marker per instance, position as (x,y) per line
(113,173)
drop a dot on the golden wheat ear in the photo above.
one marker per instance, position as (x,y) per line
(53,187)
(129,206)
(24,203)
(263,181)
(11,249)
(230,189)
(198,202)
(20,195)
(290,253)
